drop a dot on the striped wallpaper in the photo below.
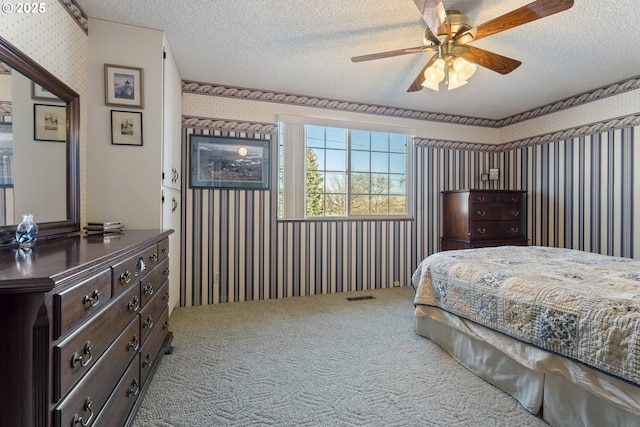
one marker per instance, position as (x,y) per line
(580,195)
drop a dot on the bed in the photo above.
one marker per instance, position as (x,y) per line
(558,329)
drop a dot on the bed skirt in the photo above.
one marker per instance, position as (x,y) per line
(564,392)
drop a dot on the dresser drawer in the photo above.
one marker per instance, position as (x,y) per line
(118,407)
(134,268)
(88,397)
(151,348)
(75,305)
(152,282)
(495,197)
(150,314)
(497,230)
(74,356)
(496,213)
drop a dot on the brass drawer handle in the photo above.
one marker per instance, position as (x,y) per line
(148,290)
(165,271)
(481,230)
(481,213)
(515,213)
(125,277)
(165,297)
(515,199)
(78,418)
(78,359)
(514,229)
(134,304)
(148,361)
(134,344)
(134,389)
(481,198)
(148,323)
(93,299)
(164,250)
(153,257)
(165,326)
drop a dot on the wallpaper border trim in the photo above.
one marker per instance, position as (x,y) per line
(228,125)
(211,89)
(589,129)
(76,13)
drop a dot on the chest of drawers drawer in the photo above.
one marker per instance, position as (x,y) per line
(150,313)
(496,213)
(151,348)
(117,409)
(496,230)
(78,303)
(151,283)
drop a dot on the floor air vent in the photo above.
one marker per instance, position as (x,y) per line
(359,298)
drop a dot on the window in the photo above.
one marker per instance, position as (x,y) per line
(342,172)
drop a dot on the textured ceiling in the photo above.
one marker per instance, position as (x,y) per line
(304,47)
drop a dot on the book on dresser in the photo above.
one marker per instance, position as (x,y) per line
(483,218)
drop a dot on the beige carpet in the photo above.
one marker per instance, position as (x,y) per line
(317,361)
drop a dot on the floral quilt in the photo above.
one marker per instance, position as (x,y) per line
(580,305)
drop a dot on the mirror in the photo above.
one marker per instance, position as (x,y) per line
(45,176)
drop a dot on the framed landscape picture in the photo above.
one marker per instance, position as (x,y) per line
(49,123)
(123,86)
(126,127)
(226,162)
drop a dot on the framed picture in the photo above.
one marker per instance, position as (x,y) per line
(226,162)
(38,92)
(123,86)
(126,127)
(49,123)
(494,174)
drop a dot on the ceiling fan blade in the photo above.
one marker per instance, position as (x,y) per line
(493,61)
(435,16)
(417,83)
(392,53)
(529,13)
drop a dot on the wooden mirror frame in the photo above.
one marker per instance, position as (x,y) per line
(20,62)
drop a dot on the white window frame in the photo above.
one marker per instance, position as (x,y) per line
(291,164)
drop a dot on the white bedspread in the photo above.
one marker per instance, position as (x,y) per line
(580,305)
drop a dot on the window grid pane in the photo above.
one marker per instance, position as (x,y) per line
(374,183)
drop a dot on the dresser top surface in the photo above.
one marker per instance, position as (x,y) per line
(40,268)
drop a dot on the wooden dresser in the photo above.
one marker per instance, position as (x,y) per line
(84,322)
(482,218)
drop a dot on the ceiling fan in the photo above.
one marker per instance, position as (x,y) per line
(449,33)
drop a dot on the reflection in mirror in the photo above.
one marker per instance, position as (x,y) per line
(39,118)
(32,166)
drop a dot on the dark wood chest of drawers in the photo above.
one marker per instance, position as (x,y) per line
(84,321)
(483,218)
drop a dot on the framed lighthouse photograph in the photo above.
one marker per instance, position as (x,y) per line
(123,86)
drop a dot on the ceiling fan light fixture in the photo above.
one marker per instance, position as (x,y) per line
(454,81)
(463,68)
(431,85)
(434,74)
